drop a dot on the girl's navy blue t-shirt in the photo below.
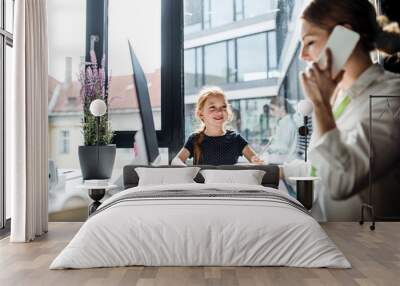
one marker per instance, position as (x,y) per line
(218,150)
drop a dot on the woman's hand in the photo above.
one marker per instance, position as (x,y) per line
(319,84)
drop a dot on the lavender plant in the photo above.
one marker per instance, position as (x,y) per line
(93,86)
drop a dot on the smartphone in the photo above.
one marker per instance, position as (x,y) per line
(341,42)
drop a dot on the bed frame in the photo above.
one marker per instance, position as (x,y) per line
(270,179)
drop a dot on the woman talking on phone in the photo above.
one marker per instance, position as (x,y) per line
(339,151)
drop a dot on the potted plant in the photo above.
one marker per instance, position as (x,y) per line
(97,155)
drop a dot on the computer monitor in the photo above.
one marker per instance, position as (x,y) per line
(146,138)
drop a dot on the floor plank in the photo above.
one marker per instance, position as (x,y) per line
(375,257)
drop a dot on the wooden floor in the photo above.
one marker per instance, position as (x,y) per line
(375,257)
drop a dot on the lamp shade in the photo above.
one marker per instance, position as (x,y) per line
(305,107)
(98,107)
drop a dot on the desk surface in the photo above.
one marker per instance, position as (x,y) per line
(95,187)
(304,178)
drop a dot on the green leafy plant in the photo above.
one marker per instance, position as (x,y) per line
(93,86)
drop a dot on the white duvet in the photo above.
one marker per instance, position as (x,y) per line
(200,231)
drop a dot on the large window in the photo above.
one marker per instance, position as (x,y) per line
(241,59)
(144,32)
(66,54)
(218,13)
(272,55)
(146,25)
(209,14)
(252,57)
(6,44)
(190,68)
(193,68)
(193,16)
(8,82)
(9,15)
(64,142)
(253,8)
(114,25)
(215,64)
(246,66)
(252,120)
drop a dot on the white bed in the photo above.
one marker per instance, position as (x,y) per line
(239,229)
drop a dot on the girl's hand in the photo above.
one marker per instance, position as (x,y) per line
(251,156)
(256,160)
(318,83)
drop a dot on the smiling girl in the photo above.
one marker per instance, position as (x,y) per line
(213,144)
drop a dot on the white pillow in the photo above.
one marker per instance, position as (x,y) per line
(248,177)
(166,176)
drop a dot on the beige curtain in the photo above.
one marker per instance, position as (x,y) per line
(27,136)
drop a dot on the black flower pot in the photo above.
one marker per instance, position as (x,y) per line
(97,162)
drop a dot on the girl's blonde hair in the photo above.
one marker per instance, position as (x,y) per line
(204,95)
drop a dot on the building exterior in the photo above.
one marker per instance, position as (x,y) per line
(248,48)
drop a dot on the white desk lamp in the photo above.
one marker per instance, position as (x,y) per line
(98,108)
(305,108)
(305,185)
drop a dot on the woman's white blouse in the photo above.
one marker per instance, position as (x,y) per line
(341,156)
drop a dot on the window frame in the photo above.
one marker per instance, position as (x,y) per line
(171,135)
(6,39)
